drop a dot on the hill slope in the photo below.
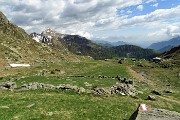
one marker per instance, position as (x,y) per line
(82,46)
(16,46)
(166,48)
(134,51)
(174,53)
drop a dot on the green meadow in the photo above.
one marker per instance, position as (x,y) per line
(70,105)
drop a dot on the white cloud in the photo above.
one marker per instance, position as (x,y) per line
(150,1)
(166,33)
(84,34)
(63,14)
(155,5)
(140,7)
(86,17)
(161,15)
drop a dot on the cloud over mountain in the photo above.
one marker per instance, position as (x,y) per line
(85,17)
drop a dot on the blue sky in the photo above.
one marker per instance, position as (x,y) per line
(140,22)
(150,7)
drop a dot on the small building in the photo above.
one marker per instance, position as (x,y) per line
(157,59)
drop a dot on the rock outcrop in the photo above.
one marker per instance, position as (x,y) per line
(118,88)
(8,85)
(125,87)
(155,114)
(35,86)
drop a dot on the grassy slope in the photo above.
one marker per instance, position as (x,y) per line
(70,105)
(16,46)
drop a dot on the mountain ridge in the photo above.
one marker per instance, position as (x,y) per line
(109,44)
(82,46)
(164,44)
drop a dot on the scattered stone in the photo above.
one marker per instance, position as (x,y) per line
(120,62)
(87,84)
(118,77)
(126,88)
(150,97)
(129,82)
(167,91)
(8,85)
(122,88)
(156,92)
(31,105)
(4,107)
(101,91)
(50,113)
(140,92)
(82,90)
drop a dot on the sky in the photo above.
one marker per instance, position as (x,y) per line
(140,22)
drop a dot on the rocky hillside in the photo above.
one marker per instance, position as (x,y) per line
(17,46)
(172,57)
(174,53)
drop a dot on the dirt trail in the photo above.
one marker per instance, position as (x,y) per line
(168,99)
(136,75)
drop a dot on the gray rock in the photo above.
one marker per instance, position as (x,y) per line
(118,88)
(167,91)
(8,85)
(122,88)
(150,97)
(81,90)
(30,105)
(156,92)
(155,114)
(101,91)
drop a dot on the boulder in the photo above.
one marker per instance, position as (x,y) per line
(154,114)
(167,91)
(150,97)
(124,89)
(156,92)
(81,90)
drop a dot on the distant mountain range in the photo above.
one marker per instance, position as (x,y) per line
(82,46)
(109,44)
(165,45)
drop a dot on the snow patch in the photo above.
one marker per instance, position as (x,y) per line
(20,65)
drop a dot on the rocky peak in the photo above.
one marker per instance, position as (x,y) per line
(40,38)
(3,19)
(49,33)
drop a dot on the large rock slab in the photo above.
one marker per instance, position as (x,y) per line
(154,114)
